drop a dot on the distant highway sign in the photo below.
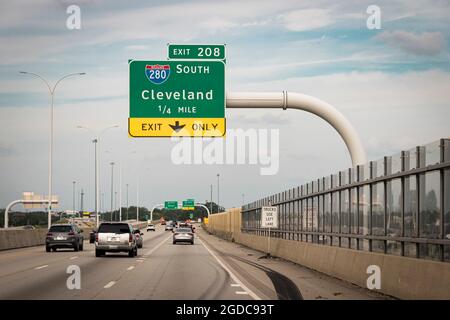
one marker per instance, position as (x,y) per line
(171,205)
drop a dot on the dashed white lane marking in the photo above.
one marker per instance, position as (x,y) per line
(157,246)
(41,267)
(235,285)
(140,260)
(241,292)
(130,268)
(72,258)
(232,275)
(110,284)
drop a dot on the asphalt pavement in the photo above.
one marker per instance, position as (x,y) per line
(210,269)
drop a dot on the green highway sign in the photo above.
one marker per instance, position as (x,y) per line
(196,51)
(171,205)
(176,98)
(188,204)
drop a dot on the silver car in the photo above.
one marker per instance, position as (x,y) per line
(183,235)
(151,227)
(115,237)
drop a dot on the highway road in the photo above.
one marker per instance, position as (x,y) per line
(210,269)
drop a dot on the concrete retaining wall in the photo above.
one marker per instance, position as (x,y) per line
(402,277)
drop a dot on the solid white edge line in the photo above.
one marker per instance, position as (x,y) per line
(110,284)
(232,275)
(130,268)
(235,285)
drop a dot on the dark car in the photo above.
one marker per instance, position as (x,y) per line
(92,236)
(64,236)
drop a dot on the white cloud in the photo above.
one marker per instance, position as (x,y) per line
(426,43)
(308,19)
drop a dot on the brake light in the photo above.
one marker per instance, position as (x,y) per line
(130,238)
(49,234)
(96,237)
(71,234)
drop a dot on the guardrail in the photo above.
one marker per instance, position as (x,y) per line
(398,205)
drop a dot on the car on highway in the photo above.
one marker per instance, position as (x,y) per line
(115,237)
(92,236)
(139,241)
(151,227)
(183,235)
(169,227)
(64,236)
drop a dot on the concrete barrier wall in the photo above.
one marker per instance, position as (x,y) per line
(13,238)
(401,277)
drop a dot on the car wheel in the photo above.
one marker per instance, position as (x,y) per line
(131,253)
(47,249)
(98,253)
(76,247)
(81,247)
(54,249)
(135,252)
(174,242)
(192,242)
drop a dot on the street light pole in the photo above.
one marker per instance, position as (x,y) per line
(210,202)
(112,189)
(97,189)
(73,194)
(120,191)
(218,209)
(127,201)
(50,161)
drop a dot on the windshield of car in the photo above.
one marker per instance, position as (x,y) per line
(60,229)
(183,230)
(114,228)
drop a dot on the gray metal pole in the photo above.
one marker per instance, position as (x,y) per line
(112,189)
(210,202)
(127,201)
(51,91)
(292,100)
(50,164)
(97,200)
(73,191)
(218,195)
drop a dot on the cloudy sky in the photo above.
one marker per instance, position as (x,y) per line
(393,84)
